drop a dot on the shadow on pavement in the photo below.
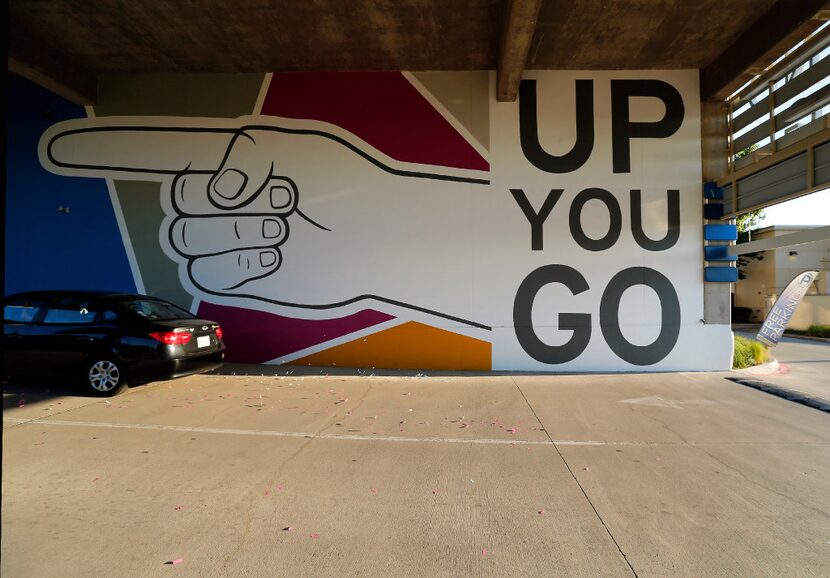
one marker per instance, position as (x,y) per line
(19,391)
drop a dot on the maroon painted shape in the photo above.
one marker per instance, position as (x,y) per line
(382,108)
(256,337)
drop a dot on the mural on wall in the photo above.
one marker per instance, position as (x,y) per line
(409,220)
(59,232)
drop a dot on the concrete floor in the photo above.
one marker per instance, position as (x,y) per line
(497,475)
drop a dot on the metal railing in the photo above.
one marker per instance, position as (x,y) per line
(779,130)
(786,103)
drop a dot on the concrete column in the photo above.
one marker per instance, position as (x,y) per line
(717,297)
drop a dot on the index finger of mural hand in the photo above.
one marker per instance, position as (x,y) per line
(191,197)
(96,151)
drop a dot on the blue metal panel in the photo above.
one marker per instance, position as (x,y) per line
(718,253)
(720,232)
(712,191)
(720,274)
(713,211)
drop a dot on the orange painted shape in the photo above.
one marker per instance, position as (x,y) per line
(411,345)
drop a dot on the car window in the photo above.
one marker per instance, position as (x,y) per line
(70,311)
(156,310)
(109,316)
(22,310)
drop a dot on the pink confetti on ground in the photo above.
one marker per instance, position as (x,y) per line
(484,552)
(288,528)
(95,480)
(513,429)
(314,536)
(374,491)
(267,491)
(434,492)
(175,562)
(541,512)
(179,508)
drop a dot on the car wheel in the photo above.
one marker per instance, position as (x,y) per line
(105,377)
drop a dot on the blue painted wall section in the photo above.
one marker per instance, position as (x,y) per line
(78,247)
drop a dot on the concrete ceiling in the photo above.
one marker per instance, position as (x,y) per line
(69,43)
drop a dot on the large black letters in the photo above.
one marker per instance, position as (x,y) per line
(535,219)
(575,220)
(623,130)
(529,129)
(609,316)
(579,323)
(672,222)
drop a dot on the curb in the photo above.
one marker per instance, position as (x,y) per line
(808,337)
(766,368)
(787,394)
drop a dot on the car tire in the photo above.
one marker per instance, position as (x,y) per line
(104,377)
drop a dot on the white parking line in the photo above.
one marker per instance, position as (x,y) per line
(381,438)
(282,434)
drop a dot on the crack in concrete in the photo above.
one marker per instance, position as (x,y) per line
(276,473)
(664,425)
(732,468)
(570,471)
(249,513)
(762,486)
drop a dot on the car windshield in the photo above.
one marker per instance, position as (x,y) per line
(155,310)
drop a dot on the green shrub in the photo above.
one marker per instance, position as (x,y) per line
(819,330)
(748,353)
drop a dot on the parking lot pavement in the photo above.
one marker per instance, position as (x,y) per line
(801,366)
(398,475)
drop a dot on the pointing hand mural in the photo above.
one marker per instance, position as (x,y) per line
(301,215)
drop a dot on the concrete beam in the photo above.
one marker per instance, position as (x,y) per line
(781,27)
(518,28)
(780,241)
(65,80)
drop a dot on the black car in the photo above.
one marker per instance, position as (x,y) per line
(105,339)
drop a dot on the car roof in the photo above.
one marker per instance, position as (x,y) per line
(51,293)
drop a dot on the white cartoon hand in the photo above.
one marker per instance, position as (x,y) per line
(335,219)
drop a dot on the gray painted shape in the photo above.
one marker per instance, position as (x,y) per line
(140,200)
(205,95)
(465,95)
(198,95)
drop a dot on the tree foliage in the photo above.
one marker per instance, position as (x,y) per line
(747,223)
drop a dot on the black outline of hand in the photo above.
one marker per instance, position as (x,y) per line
(233,142)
